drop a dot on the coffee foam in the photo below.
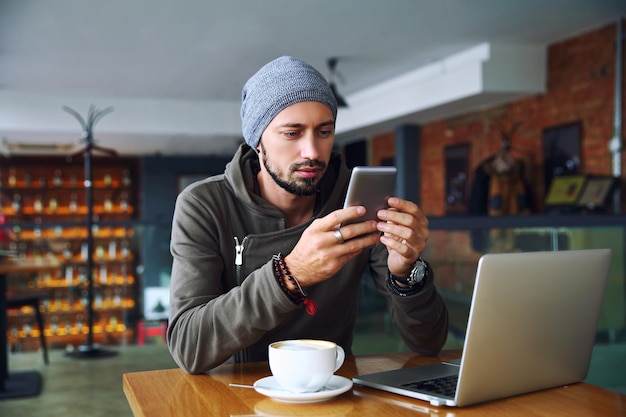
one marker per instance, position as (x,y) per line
(303,345)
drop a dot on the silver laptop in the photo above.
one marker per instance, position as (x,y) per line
(532,326)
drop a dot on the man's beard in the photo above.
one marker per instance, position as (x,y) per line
(294,184)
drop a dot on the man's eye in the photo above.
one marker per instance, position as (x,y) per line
(326,132)
(291,134)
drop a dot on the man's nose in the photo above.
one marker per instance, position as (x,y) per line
(310,147)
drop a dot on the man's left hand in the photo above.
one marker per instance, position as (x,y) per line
(405,232)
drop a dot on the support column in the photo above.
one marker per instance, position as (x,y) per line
(407,161)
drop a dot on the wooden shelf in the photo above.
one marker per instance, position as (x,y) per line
(36,194)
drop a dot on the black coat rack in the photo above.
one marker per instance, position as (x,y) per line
(90,349)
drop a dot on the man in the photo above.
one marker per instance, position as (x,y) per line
(258,252)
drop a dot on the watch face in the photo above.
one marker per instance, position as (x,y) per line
(418,273)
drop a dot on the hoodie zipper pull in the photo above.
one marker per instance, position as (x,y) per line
(238,252)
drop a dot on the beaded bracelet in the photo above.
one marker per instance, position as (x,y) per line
(281,270)
(295,297)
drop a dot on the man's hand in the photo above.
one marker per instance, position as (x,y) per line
(405,232)
(324,248)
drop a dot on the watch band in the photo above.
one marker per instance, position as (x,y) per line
(417,282)
(404,291)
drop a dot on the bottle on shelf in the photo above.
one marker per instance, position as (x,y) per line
(103,274)
(69,275)
(112,249)
(37,204)
(100,252)
(73,206)
(83,251)
(17,203)
(58,179)
(117,297)
(27,329)
(126,181)
(12,178)
(54,324)
(124,202)
(67,251)
(108,204)
(125,249)
(98,300)
(80,323)
(53,205)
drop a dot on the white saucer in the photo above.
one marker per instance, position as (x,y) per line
(336,385)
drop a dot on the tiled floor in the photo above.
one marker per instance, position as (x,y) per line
(83,387)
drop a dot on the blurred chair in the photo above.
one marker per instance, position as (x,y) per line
(34,301)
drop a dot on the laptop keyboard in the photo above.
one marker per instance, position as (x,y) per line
(445,386)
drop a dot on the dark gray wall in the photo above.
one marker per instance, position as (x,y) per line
(160,179)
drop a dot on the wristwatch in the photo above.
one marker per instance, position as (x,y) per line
(417,275)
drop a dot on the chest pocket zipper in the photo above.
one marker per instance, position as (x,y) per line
(239,247)
(242,355)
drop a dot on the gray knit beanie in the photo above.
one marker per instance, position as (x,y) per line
(276,86)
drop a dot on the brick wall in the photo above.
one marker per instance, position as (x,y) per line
(580,87)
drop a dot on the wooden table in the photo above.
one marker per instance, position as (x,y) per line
(172,392)
(25,383)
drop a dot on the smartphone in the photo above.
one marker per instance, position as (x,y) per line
(370,187)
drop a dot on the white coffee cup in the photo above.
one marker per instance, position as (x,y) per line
(304,365)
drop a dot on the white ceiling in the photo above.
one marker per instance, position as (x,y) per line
(173,70)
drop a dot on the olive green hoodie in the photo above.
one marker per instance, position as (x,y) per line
(225,303)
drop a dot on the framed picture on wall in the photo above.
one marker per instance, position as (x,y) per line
(565,190)
(597,192)
(561,151)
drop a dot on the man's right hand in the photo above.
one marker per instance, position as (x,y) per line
(320,252)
